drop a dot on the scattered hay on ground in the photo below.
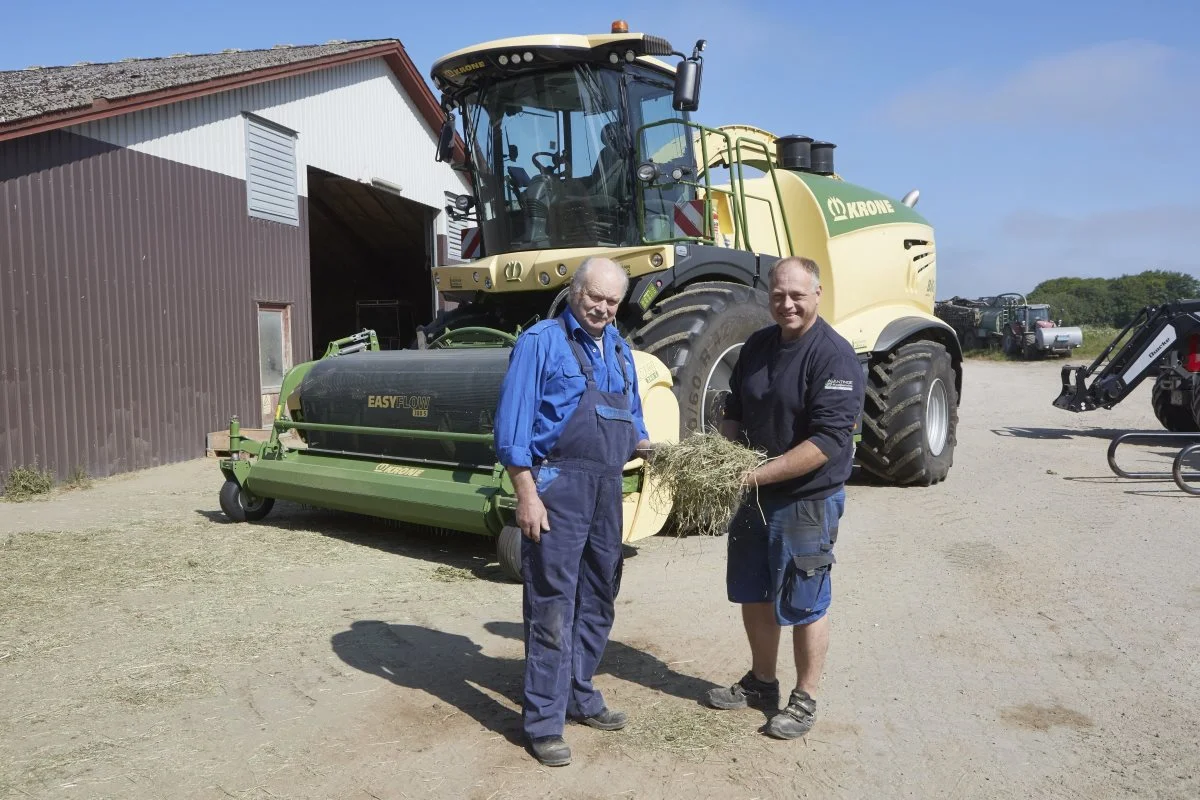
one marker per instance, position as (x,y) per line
(702,474)
(453,574)
(689,731)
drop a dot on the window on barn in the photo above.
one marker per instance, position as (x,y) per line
(271,171)
(274,346)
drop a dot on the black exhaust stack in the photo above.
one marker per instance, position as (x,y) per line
(792,152)
(821,155)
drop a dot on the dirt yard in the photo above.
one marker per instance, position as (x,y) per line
(1030,628)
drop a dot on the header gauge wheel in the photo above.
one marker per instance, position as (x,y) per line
(242,506)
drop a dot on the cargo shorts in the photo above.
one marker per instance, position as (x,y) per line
(787,559)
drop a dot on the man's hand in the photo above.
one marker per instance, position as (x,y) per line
(531,516)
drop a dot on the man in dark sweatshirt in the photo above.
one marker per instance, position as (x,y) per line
(796,393)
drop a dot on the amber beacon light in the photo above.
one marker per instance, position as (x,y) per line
(620,26)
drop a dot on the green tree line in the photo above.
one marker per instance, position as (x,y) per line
(1112,301)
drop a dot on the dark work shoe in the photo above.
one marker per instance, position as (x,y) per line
(607,720)
(551,751)
(796,719)
(749,692)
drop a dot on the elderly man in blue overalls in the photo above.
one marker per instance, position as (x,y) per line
(568,420)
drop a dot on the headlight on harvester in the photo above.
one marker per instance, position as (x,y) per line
(646,173)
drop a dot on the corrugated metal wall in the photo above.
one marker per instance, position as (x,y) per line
(128,324)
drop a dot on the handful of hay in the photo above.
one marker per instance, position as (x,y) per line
(703,475)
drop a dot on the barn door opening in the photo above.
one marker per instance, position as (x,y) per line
(371,254)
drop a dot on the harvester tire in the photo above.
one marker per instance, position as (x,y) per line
(697,334)
(241,506)
(508,552)
(1179,419)
(910,416)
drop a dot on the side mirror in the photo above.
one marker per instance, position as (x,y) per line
(687,86)
(445,149)
(687,80)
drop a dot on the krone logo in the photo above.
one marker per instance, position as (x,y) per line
(837,208)
(453,73)
(512,271)
(840,210)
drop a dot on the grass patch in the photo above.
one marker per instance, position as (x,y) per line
(78,479)
(1095,339)
(23,483)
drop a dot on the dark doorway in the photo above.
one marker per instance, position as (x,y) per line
(370,257)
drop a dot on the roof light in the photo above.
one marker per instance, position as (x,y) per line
(629,56)
(516,58)
(544,278)
(561,269)
(620,26)
(503,60)
(613,58)
(528,56)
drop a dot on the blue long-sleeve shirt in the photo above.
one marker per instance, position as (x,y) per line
(544,383)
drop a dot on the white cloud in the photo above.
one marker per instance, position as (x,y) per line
(1117,84)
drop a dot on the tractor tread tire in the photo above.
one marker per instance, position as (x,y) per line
(894,444)
(691,329)
(1178,419)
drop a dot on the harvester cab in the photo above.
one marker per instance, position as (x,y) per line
(582,145)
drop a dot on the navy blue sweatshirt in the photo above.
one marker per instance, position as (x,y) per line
(811,388)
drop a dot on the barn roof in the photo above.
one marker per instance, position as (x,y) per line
(38,99)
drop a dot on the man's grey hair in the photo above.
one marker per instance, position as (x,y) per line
(807,264)
(580,278)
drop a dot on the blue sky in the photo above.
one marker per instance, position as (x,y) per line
(1047,139)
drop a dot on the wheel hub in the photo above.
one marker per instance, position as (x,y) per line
(937,417)
(716,388)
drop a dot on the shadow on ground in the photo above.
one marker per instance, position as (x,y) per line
(468,551)
(451,667)
(1058,433)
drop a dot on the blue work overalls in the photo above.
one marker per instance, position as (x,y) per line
(571,576)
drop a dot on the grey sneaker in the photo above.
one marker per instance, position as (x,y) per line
(796,719)
(747,692)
